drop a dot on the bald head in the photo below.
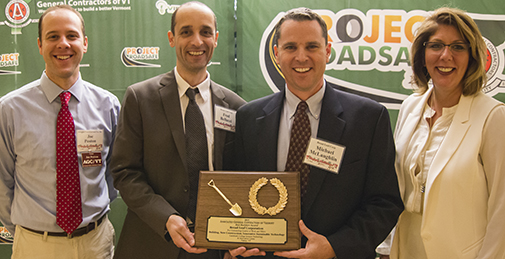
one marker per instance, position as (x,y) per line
(192,3)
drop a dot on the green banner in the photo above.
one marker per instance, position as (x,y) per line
(370,45)
(128,43)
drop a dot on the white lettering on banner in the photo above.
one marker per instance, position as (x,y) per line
(163,7)
(89,5)
(17,12)
(41,4)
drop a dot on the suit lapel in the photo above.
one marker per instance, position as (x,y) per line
(405,131)
(410,123)
(331,128)
(172,107)
(268,130)
(219,134)
(454,136)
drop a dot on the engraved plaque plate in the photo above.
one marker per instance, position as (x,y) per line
(216,227)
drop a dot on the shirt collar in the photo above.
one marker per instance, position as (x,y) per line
(203,87)
(52,90)
(313,103)
(446,111)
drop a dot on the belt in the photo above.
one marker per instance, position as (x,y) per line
(77,233)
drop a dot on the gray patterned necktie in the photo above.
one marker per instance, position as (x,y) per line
(196,148)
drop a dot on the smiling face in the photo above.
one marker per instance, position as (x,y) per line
(447,68)
(302,54)
(62,45)
(194,38)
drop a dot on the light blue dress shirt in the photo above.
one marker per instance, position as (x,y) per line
(28,152)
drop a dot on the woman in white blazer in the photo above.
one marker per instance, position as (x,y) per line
(450,140)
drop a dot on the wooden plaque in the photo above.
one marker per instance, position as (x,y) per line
(218,228)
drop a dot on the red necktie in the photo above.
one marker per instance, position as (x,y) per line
(298,142)
(68,188)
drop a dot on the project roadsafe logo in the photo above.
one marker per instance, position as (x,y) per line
(130,56)
(9,60)
(378,40)
(17,13)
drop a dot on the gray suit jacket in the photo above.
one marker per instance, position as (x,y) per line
(149,163)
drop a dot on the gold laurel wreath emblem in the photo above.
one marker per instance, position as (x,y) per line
(283,196)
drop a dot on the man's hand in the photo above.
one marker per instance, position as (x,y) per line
(317,246)
(242,251)
(180,234)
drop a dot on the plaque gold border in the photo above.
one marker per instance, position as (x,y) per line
(236,186)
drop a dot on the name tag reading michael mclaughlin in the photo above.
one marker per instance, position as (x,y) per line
(324,155)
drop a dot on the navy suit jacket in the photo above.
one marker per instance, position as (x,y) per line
(356,208)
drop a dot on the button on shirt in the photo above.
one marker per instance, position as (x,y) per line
(287,117)
(204,101)
(28,152)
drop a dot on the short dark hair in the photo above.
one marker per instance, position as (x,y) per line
(172,25)
(301,14)
(57,7)
(475,75)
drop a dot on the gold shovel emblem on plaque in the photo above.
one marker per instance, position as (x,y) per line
(235,209)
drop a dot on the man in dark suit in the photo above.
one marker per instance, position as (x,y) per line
(345,214)
(150,165)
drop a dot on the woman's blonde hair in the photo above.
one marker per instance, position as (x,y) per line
(475,75)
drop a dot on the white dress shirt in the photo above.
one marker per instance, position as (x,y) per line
(204,102)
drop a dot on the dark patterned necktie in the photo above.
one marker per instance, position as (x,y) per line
(68,188)
(196,148)
(298,142)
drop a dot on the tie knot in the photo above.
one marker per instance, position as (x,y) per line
(191,92)
(302,106)
(65,97)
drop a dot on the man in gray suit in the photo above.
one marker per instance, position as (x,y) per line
(149,163)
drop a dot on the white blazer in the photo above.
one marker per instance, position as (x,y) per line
(464,206)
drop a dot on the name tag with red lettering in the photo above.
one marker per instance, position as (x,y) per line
(224,118)
(89,140)
(324,155)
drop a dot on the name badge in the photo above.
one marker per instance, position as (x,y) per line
(91,159)
(89,141)
(224,118)
(324,155)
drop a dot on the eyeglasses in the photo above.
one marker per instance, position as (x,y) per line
(454,47)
